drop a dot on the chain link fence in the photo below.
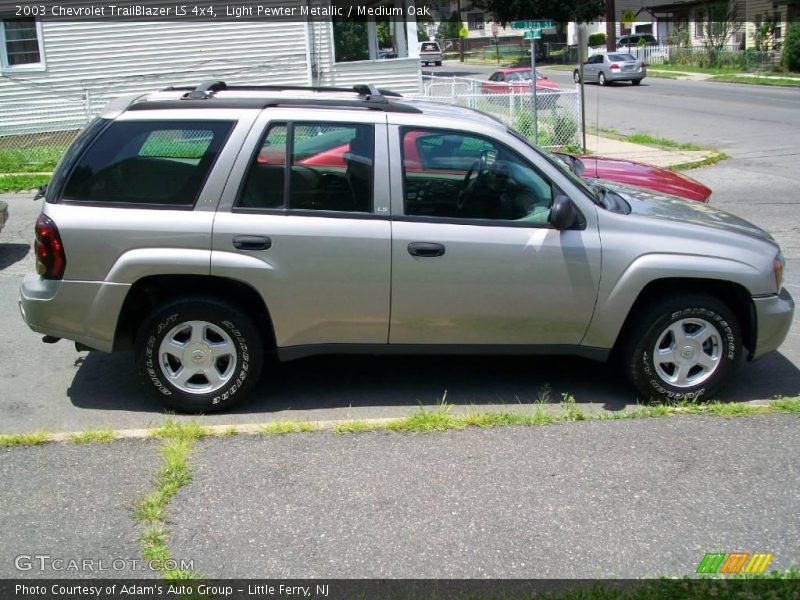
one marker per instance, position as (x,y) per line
(551,120)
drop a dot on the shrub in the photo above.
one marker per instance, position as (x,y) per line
(597,39)
(791,48)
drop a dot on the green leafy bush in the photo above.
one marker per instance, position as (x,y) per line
(791,48)
(597,39)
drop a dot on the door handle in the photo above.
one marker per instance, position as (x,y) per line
(425,249)
(252,242)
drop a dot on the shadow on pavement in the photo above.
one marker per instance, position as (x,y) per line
(109,382)
(12,253)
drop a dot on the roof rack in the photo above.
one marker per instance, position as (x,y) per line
(369,96)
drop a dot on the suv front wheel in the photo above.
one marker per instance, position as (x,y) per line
(199,355)
(683,348)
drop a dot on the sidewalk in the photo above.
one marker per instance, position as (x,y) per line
(611,148)
(630,498)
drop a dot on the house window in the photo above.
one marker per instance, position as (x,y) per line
(475,21)
(21,45)
(777,20)
(698,24)
(376,38)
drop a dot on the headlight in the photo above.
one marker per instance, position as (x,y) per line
(777,265)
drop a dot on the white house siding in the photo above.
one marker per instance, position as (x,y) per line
(108,59)
(402,75)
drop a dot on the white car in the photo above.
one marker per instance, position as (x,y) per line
(430,52)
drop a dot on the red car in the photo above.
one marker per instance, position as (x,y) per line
(327,150)
(516,80)
(639,174)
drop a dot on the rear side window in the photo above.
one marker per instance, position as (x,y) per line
(148,162)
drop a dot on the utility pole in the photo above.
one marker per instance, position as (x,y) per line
(611,26)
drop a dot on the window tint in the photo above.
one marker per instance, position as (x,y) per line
(621,57)
(264,185)
(331,168)
(454,175)
(148,162)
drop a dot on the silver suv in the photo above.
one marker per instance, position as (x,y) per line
(207,228)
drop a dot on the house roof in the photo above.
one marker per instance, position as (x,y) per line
(673,6)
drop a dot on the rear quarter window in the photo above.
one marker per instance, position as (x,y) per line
(148,162)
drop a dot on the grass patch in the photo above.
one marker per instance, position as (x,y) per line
(782,82)
(697,164)
(23,439)
(665,143)
(354,427)
(21,183)
(97,436)
(32,159)
(229,432)
(177,443)
(283,427)
(790,405)
(705,70)
(569,68)
(424,420)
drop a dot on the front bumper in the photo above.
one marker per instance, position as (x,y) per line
(774,316)
(83,311)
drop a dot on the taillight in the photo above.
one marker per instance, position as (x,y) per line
(614,66)
(50,258)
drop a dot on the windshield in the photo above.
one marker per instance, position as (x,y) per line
(561,166)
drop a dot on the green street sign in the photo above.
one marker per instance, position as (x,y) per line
(534,34)
(532,24)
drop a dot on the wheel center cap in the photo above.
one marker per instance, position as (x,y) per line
(197,355)
(687,352)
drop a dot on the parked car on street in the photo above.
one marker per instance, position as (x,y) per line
(635,38)
(516,79)
(639,174)
(194,226)
(430,52)
(609,68)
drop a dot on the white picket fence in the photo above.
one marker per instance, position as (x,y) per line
(661,54)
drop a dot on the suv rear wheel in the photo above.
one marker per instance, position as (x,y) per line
(199,355)
(683,348)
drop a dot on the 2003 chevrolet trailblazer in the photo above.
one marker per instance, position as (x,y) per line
(193,226)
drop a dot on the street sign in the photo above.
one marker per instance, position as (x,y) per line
(628,17)
(534,34)
(532,24)
(463,32)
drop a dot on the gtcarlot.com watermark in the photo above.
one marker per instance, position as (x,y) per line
(46,562)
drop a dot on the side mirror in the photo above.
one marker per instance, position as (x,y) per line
(563,213)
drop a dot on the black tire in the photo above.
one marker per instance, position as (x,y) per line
(601,78)
(438,63)
(636,81)
(223,318)
(576,76)
(650,327)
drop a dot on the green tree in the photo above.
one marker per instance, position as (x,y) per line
(597,39)
(449,29)
(561,11)
(791,48)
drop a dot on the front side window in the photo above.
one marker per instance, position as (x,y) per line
(328,166)
(378,37)
(148,162)
(21,44)
(462,176)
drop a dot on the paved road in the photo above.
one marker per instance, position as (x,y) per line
(595,499)
(55,388)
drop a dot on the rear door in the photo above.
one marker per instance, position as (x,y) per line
(305,221)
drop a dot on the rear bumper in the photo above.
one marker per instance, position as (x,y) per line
(83,311)
(623,76)
(429,58)
(774,316)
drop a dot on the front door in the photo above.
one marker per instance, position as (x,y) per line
(474,260)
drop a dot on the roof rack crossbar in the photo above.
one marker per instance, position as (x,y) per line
(261,103)
(203,91)
(368,91)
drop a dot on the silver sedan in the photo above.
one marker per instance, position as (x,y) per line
(617,66)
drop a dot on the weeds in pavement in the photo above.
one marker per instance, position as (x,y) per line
(177,442)
(92,436)
(283,427)
(23,439)
(354,427)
